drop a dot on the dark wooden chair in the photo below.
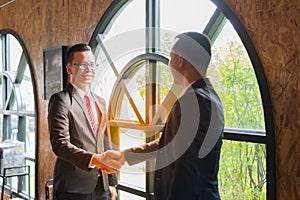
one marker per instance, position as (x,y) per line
(49,189)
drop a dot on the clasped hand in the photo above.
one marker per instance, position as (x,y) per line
(109,162)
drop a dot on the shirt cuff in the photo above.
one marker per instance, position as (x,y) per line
(90,164)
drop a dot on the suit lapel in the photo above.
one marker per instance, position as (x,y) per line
(101,107)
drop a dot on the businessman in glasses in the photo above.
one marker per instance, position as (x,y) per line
(79,135)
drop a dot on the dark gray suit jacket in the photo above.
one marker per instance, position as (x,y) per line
(188,152)
(74,142)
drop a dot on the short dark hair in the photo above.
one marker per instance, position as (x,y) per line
(195,48)
(76,48)
(200,38)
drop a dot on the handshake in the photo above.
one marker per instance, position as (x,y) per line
(109,162)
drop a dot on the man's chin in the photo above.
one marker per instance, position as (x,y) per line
(87,80)
(83,82)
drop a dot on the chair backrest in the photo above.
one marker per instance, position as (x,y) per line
(49,189)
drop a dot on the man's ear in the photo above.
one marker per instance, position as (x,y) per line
(69,69)
(181,61)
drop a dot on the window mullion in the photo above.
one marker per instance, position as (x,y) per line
(152,39)
(215,26)
(21,69)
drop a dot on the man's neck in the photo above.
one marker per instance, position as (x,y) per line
(189,80)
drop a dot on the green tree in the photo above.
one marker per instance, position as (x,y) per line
(242,172)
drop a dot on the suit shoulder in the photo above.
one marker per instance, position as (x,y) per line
(99,98)
(60,96)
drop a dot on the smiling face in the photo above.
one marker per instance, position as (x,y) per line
(81,78)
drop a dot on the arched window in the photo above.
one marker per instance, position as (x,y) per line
(17,110)
(132,42)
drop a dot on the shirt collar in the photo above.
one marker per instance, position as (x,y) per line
(81,92)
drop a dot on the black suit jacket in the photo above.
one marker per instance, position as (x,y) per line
(74,142)
(188,152)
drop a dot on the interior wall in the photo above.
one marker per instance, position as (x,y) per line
(273,26)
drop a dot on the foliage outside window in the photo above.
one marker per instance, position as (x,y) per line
(243,164)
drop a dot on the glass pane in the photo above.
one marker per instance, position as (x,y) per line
(23,180)
(180,16)
(130,17)
(126,112)
(127,196)
(104,82)
(32,177)
(15,52)
(13,104)
(242,173)
(232,74)
(134,175)
(166,40)
(165,80)
(119,50)
(122,40)
(135,86)
(26,90)
(30,137)
(14,182)
(14,121)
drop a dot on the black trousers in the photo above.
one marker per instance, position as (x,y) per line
(97,194)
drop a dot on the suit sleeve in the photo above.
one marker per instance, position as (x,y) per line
(139,154)
(112,178)
(58,124)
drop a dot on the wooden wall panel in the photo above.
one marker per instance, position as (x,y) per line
(273,26)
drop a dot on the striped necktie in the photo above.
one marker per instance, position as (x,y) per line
(90,113)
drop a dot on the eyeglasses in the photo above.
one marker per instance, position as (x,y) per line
(85,65)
